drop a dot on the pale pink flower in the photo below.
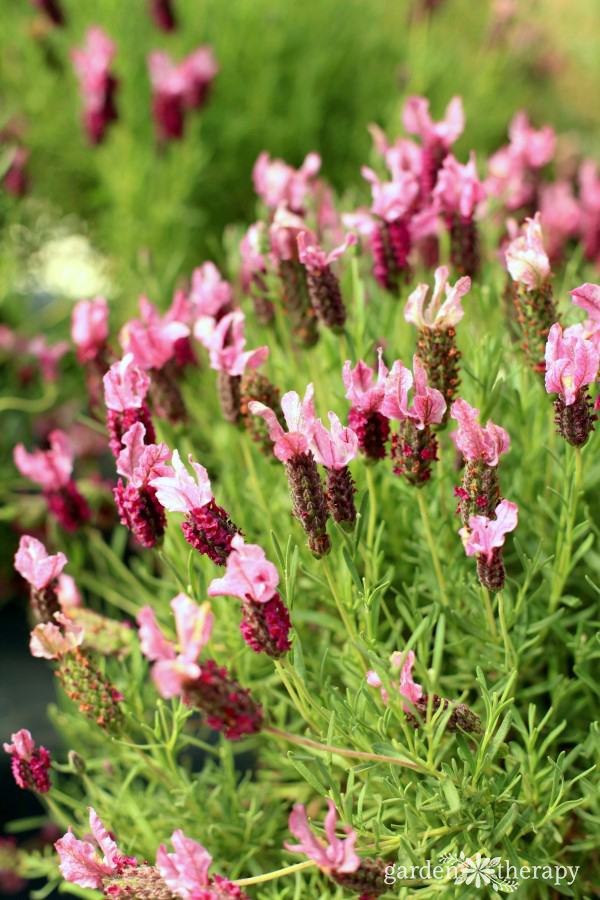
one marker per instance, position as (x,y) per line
(173,668)
(283,234)
(68,593)
(392,199)
(125,385)
(186,870)
(199,69)
(252,259)
(337,855)
(89,327)
(406,686)
(51,469)
(314,258)
(52,641)
(458,188)
(334,449)
(363,394)
(48,356)
(22,745)
(559,214)
(249,576)
(35,566)
(587,296)
(417,120)
(209,293)
(300,420)
(276,182)
(571,363)
(176,490)
(437,314)
(474,441)
(151,340)
(92,63)
(526,258)
(486,535)
(226,347)
(428,406)
(589,200)
(403,155)
(80,862)
(508,179)
(534,148)
(137,461)
(166,76)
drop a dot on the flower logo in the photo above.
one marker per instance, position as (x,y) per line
(478,871)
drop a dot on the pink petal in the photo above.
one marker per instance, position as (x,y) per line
(34,565)
(186,870)
(103,839)
(79,863)
(133,447)
(153,642)
(193,624)
(588,297)
(22,745)
(172,676)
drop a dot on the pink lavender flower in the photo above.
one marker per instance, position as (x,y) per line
(514,169)
(163,14)
(293,449)
(35,566)
(211,298)
(392,206)
(177,671)
(534,148)
(125,390)
(168,88)
(405,686)
(253,579)
(284,257)
(337,856)
(571,364)
(485,538)
(276,182)
(437,314)
(89,328)
(560,215)
(52,469)
(151,339)
(67,593)
(414,447)
(458,192)
(323,284)
(587,296)
(15,179)
(138,506)
(481,449)
(98,86)
(226,347)
(526,258)
(436,138)
(80,862)
(334,450)
(29,764)
(206,526)
(366,398)
(199,70)
(186,871)
(56,640)
(589,202)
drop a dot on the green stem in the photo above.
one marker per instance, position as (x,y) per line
(296,700)
(432,547)
(508,650)
(372,505)
(489,612)
(342,751)
(563,555)
(350,627)
(269,876)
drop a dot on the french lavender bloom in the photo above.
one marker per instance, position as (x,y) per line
(230,360)
(485,538)
(436,335)
(571,364)
(153,341)
(186,871)
(323,284)
(414,447)
(42,573)
(309,505)
(178,671)
(461,718)
(481,449)
(337,858)
(589,204)
(29,764)
(436,137)
(82,682)
(393,203)
(334,450)
(283,236)
(529,267)
(587,296)
(53,470)
(366,398)
(458,192)
(277,183)
(163,14)
(138,506)
(253,271)
(199,70)
(97,85)
(514,170)
(125,390)
(15,179)
(206,526)
(168,89)
(89,333)
(253,579)
(211,298)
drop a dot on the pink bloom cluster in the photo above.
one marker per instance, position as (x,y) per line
(366,398)
(405,686)
(89,328)
(526,258)
(474,441)
(53,469)
(337,855)
(29,764)
(138,507)
(98,86)
(513,171)
(458,190)
(277,183)
(444,308)
(210,298)
(34,564)
(227,343)
(178,87)
(299,417)
(126,387)
(428,406)
(484,536)
(152,339)
(571,363)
